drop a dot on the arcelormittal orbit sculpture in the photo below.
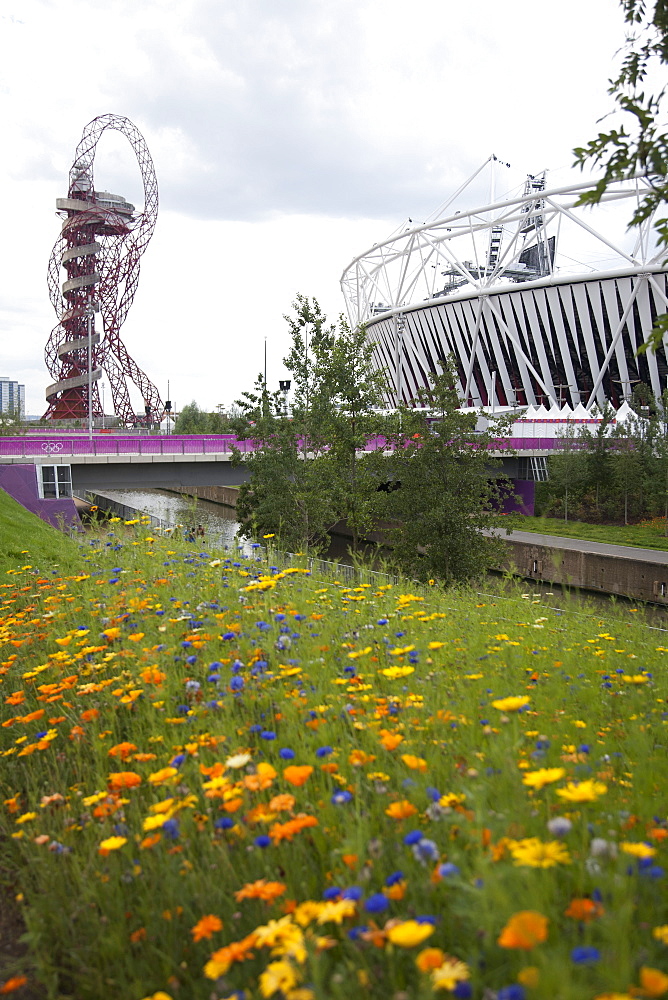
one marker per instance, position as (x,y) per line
(99,247)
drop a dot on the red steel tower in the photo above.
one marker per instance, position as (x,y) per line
(100,245)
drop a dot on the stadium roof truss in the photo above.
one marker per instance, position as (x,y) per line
(492,286)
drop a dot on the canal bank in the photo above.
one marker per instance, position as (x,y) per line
(617,570)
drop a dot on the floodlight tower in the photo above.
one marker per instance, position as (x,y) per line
(100,245)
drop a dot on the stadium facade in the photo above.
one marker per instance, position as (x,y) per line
(533,297)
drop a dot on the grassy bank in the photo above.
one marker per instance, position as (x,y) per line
(648,535)
(20,530)
(224,775)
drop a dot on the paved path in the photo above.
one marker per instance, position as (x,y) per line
(659,556)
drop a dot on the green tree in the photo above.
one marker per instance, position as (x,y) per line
(193,420)
(286,494)
(638,145)
(448,495)
(310,471)
(354,390)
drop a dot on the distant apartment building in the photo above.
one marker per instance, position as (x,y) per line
(12,397)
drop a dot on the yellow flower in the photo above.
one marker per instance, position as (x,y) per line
(336,911)
(26,817)
(415,763)
(450,973)
(529,976)
(544,776)
(111,844)
(661,933)
(163,775)
(635,678)
(533,853)
(638,850)
(395,672)
(435,645)
(160,995)
(277,976)
(582,791)
(512,704)
(410,933)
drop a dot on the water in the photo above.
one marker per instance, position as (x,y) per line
(220,528)
(219,522)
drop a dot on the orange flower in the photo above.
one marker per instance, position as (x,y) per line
(138,935)
(524,930)
(124,779)
(330,768)
(151,675)
(653,982)
(33,716)
(88,715)
(350,860)
(415,763)
(267,891)
(396,891)
(282,803)
(122,750)
(430,958)
(263,778)
(286,831)
(16,698)
(221,960)
(401,810)
(583,909)
(298,775)
(206,927)
(358,758)
(150,841)
(389,740)
(15,983)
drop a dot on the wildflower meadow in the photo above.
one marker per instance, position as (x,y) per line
(227,775)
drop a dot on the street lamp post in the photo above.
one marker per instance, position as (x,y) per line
(102,387)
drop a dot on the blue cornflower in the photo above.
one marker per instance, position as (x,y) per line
(178,760)
(262,841)
(585,955)
(268,734)
(341,797)
(448,870)
(285,753)
(353,892)
(171,828)
(513,992)
(413,837)
(395,877)
(426,850)
(324,751)
(237,684)
(376,903)
(331,893)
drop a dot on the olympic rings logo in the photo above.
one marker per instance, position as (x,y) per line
(52,446)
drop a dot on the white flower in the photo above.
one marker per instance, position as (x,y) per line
(559,826)
(238,760)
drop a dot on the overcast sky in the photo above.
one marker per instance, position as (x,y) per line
(288,136)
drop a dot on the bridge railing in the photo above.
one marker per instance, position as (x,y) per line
(54,447)
(192,444)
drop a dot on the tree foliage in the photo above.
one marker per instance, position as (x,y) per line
(448,493)
(192,420)
(640,144)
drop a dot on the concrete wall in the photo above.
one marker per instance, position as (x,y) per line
(609,574)
(226,495)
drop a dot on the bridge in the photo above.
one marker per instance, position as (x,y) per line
(177,461)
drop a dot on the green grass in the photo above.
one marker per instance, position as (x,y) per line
(648,535)
(157,700)
(20,530)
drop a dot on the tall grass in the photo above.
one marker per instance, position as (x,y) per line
(225,774)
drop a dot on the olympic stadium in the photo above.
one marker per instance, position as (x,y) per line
(542,302)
